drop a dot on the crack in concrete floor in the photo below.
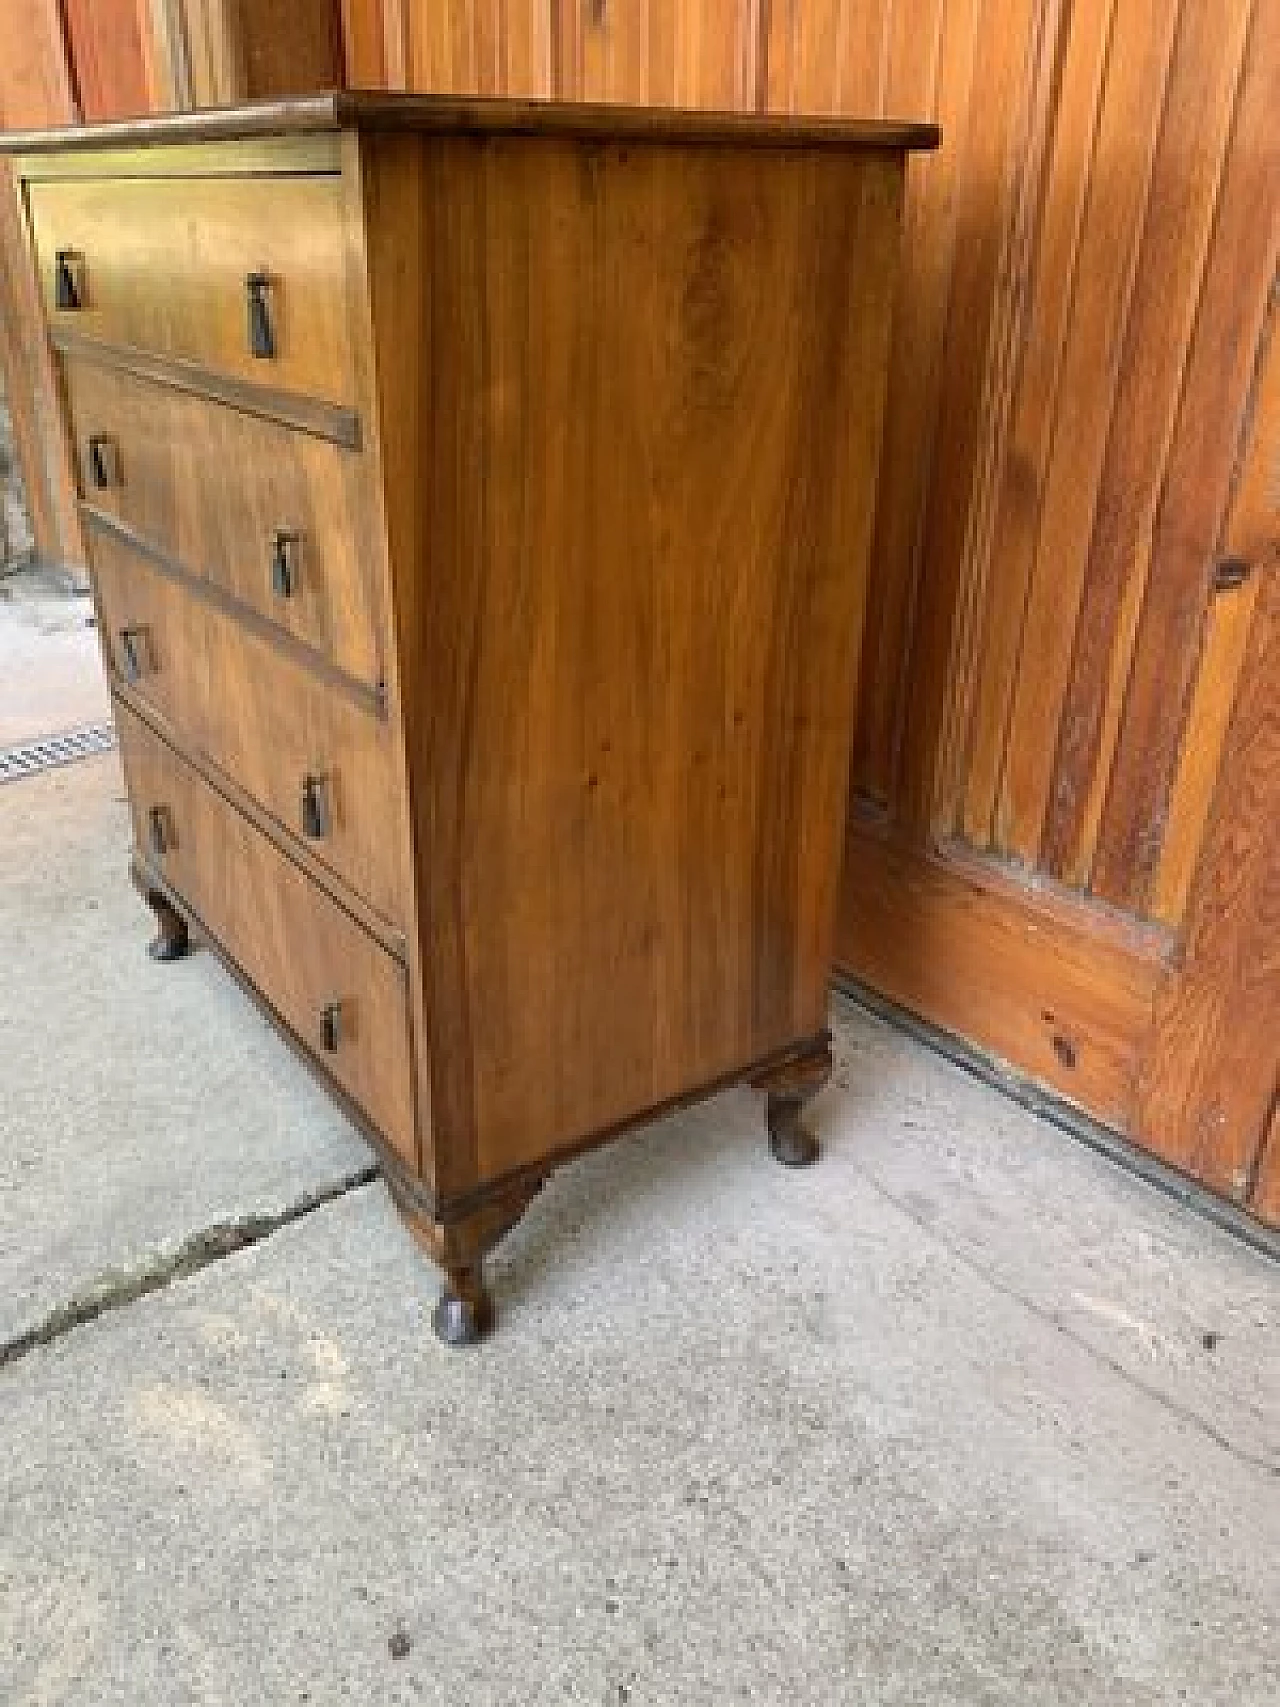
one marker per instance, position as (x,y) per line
(118,1288)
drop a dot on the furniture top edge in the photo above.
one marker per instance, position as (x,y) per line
(370,110)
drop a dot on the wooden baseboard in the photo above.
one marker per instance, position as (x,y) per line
(1042,980)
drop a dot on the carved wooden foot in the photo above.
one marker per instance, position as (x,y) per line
(171,941)
(788,1088)
(464,1314)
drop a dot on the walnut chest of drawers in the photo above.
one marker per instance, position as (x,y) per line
(479,500)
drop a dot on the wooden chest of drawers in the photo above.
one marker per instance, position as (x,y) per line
(480,499)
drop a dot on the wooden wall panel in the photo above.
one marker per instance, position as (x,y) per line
(244,50)
(1210,1073)
(36,88)
(108,46)
(659,52)
(1080,428)
(477,47)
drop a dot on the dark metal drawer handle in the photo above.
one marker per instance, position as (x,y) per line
(159,831)
(135,649)
(262,333)
(69,279)
(315,807)
(104,462)
(286,550)
(331,1027)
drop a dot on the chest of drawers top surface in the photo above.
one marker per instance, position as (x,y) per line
(479,498)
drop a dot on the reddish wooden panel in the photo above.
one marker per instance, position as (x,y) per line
(106,39)
(35,74)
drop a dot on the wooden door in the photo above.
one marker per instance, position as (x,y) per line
(1066,831)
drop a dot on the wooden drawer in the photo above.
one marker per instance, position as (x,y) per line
(293,943)
(153,634)
(269,721)
(212,488)
(161,264)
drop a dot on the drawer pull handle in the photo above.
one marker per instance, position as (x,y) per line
(315,807)
(159,831)
(285,550)
(135,649)
(331,1027)
(262,335)
(104,462)
(69,279)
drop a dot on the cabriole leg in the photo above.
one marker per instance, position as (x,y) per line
(464,1314)
(788,1089)
(171,941)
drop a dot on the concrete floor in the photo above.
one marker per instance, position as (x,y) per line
(964,1414)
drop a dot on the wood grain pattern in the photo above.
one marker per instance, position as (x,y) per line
(210,487)
(1214,1060)
(1239,278)
(298,948)
(153,636)
(692,537)
(1030,975)
(479,47)
(660,52)
(1141,45)
(158,279)
(263,718)
(1073,104)
(245,50)
(106,40)
(1252,537)
(1182,208)
(36,82)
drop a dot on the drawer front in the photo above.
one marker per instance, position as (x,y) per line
(167,265)
(153,633)
(341,994)
(308,753)
(279,519)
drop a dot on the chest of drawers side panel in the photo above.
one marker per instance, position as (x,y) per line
(631,398)
(386,494)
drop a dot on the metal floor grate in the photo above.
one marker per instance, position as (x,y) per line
(32,757)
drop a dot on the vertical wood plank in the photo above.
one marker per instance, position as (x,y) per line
(480,47)
(1141,43)
(659,52)
(1252,536)
(364,44)
(1088,32)
(36,86)
(902,503)
(912,86)
(989,148)
(1181,211)
(106,43)
(1222,363)
(1211,1071)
